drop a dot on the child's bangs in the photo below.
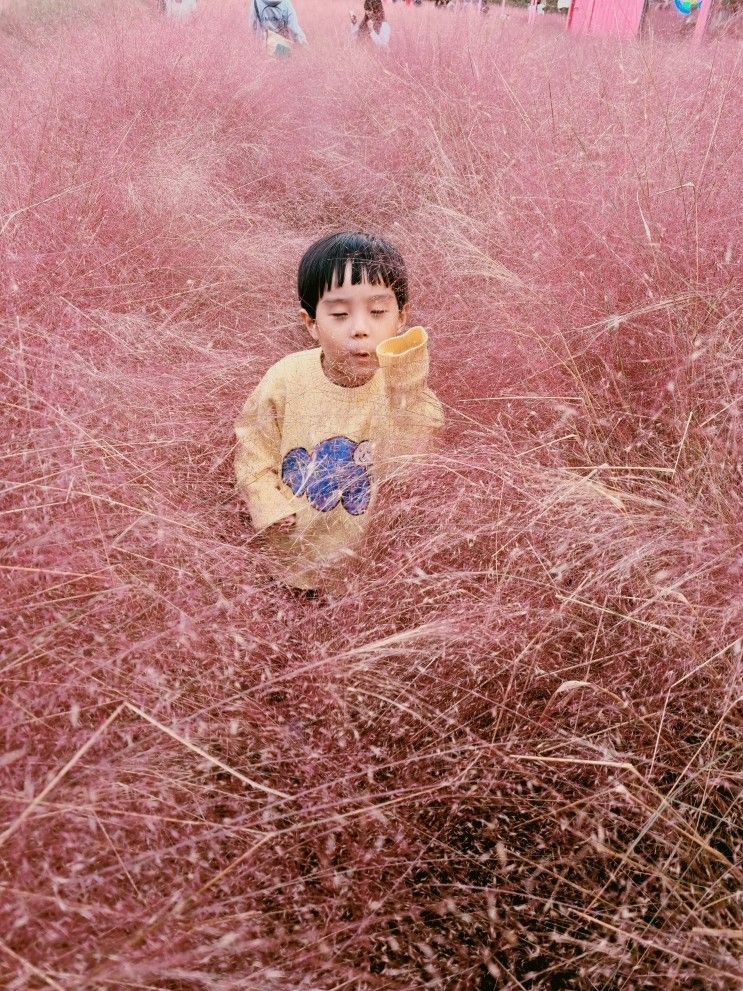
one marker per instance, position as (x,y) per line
(365,267)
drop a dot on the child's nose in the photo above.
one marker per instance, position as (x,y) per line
(359,328)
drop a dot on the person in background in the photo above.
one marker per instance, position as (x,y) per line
(178,8)
(277,16)
(374,24)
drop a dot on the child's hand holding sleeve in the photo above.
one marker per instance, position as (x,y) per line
(414,411)
(404,362)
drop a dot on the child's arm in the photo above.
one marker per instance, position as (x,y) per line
(294,27)
(257,454)
(254,19)
(404,363)
(382,36)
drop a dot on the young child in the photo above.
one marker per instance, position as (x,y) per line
(325,426)
(374,24)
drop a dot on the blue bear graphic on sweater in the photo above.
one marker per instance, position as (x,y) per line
(337,471)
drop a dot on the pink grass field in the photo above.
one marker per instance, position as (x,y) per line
(509,755)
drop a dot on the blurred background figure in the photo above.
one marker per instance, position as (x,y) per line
(276,17)
(178,8)
(727,18)
(374,24)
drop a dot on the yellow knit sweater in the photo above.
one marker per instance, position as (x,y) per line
(317,450)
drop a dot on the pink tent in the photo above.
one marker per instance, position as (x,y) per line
(616,17)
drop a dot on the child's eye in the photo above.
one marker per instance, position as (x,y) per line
(378,313)
(339,314)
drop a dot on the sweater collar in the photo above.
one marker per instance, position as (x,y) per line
(351,393)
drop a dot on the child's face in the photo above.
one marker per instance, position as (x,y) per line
(350,322)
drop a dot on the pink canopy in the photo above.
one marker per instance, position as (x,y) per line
(611,17)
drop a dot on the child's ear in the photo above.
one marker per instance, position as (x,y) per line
(403,318)
(309,324)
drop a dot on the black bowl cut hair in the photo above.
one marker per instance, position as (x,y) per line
(372,259)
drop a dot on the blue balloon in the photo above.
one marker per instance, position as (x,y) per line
(685,7)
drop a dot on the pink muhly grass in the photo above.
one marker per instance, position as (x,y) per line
(508,755)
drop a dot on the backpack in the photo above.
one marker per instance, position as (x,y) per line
(271,19)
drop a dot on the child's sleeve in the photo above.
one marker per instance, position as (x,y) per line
(404,362)
(258,451)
